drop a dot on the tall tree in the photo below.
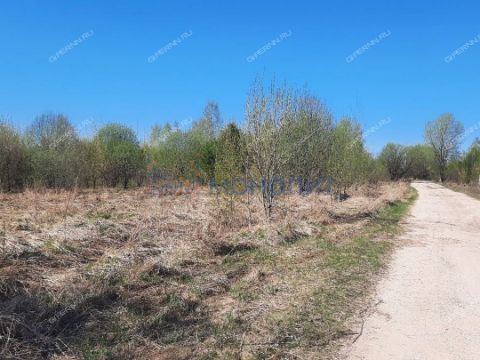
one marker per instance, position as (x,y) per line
(444,135)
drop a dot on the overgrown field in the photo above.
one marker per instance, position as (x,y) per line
(129,275)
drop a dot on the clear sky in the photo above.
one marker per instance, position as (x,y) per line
(106,76)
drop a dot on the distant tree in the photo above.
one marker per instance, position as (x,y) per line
(202,143)
(212,115)
(53,143)
(206,160)
(155,135)
(122,158)
(376,171)
(455,171)
(467,168)
(348,158)
(230,175)
(444,136)
(231,156)
(307,137)
(396,160)
(89,163)
(14,161)
(169,155)
(421,160)
(52,131)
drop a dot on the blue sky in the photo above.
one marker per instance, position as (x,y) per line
(107,77)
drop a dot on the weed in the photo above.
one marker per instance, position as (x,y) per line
(165,278)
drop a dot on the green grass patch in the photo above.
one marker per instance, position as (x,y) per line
(243,292)
(351,268)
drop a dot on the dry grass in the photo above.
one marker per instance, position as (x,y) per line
(472,190)
(127,275)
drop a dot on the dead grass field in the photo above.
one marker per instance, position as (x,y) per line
(127,275)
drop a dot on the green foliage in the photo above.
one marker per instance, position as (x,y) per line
(471,164)
(121,156)
(307,137)
(415,162)
(268,113)
(348,162)
(467,168)
(444,135)
(167,153)
(289,136)
(202,149)
(90,163)
(186,154)
(421,161)
(230,174)
(231,155)
(394,158)
(53,144)
(14,160)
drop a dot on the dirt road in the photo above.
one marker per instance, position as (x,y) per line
(428,305)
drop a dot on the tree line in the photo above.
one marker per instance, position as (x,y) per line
(287,133)
(439,158)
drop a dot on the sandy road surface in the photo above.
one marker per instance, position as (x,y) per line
(428,305)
